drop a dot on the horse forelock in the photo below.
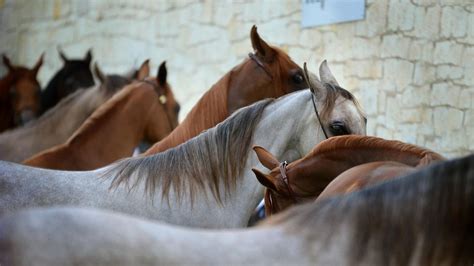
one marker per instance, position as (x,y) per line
(423,218)
(332,92)
(215,157)
(374,143)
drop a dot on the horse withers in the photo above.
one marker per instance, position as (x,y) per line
(19,94)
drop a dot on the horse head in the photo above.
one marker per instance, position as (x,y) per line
(268,72)
(24,91)
(165,113)
(76,74)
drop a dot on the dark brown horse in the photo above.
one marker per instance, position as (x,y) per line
(73,75)
(306,178)
(19,94)
(268,73)
(142,110)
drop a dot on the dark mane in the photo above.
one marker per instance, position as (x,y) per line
(206,160)
(424,218)
(114,82)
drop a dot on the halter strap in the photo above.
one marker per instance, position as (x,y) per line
(260,64)
(162,98)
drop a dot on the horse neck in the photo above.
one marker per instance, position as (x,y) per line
(116,127)
(210,110)
(333,162)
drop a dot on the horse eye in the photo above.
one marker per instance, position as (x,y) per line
(298,78)
(338,128)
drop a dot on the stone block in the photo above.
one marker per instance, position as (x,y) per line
(364,69)
(446,120)
(399,72)
(445,94)
(363,48)
(426,22)
(454,21)
(449,72)
(310,38)
(466,99)
(401,15)
(395,46)
(424,74)
(415,96)
(421,50)
(448,52)
(375,20)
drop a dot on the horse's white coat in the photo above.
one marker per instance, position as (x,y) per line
(288,125)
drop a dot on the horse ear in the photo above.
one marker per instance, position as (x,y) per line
(144,70)
(38,64)
(266,158)
(162,73)
(263,50)
(266,180)
(99,74)
(62,55)
(7,63)
(88,57)
(326,75)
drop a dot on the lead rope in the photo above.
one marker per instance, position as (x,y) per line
(306,77)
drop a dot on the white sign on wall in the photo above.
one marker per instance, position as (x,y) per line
(323,12)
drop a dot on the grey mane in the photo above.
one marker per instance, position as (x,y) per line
(432,209)
(206,160)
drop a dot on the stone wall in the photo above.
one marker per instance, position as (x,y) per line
(411,63)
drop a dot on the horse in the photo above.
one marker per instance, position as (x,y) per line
(19,94)
(74,74)
(59,123)
(424,218)
(204,182)
(306,178)
(139,111)
(267,73)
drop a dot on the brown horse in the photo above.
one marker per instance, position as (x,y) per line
(58,124)
(142,110)
(267,73)
(19,94)
(306,178)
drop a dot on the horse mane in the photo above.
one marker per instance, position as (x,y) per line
(213,104)
(374,143)
(431,210)
(215,155)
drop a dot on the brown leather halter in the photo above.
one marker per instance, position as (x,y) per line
(162,98)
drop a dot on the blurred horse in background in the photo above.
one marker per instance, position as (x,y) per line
(425,218)
(268,73)
(74,74)
(19,95)
(141,111)
(306,178)
(58,124)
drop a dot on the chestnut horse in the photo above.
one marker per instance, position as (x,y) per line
(19,94)
(73,75)
(425,218)
(267,73)
(306,178)
(59,123)
(143,110)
